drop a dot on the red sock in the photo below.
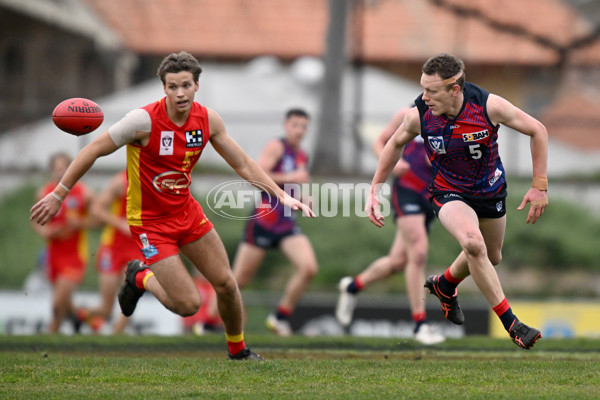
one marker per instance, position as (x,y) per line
(283,313)
(235,343)
(502,307)
(504,312)
(420,316)
(140,278)
(359,284)
(448,276)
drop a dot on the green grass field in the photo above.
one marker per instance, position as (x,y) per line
(187,367)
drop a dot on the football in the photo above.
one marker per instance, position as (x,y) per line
(77,116)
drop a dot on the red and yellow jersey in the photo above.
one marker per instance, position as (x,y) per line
(73,247)
(111,236)
(159,173)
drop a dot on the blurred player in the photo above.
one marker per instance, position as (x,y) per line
(285,162)
(164,142)
(414,217)
(116,249)
(67,241)
(459,123)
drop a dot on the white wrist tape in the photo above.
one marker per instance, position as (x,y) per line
(57,197)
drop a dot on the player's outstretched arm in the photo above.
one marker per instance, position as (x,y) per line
(502,111)
(247,168)
(390,155)
(46,208)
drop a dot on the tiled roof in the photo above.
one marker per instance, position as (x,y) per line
(499,31)
(574,119)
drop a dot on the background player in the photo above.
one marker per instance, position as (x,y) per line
(66,241)
(116,249)
(164,142)
(285,162)
(413,216)
(459,123)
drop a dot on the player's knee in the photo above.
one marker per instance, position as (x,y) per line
(397,263)
(495,258)
(227,287)
(474,246)
(189,307)
(309,270)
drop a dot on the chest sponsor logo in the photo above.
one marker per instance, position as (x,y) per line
(474,136)
(166,143)
(437,144)
(193,139)
(171,182)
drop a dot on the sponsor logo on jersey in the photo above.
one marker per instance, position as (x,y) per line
(171,182)
(166,143)
(496,176)
(451,196)
(474,136)
(455,126)
(288,163)
(437,144)
(194,139)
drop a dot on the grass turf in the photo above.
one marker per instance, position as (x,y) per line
(149,367)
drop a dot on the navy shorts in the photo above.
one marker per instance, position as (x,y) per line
(265,238)
(409,202)
(484,207)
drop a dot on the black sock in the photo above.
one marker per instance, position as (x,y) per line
(418,325)
(507,319)
(448,288)
(352,288)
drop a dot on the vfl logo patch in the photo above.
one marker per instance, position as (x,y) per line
(474,136)
(166,143)
(496,176)
(437,144)
(499,206)
(147,249)
(194,139)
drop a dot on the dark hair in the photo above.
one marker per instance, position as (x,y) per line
(177,62)
(296,112)
(446,66)
(56,156)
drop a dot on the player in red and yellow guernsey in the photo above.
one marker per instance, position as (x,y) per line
(116,249)
(164,141)
(459,124)
(67,242)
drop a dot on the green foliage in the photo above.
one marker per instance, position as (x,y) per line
(149,367)
(565,237)
(19,245)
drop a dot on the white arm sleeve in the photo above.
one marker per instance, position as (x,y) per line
(123,132)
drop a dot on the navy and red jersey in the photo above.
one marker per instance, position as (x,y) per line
(463,151)
(418,177)
(159,173)
(275,217)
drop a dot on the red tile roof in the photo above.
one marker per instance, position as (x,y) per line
(574,119)
(494,32)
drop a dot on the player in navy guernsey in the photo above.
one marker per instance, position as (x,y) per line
(413,216)
(463,151)
(274,227)
(459,124)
